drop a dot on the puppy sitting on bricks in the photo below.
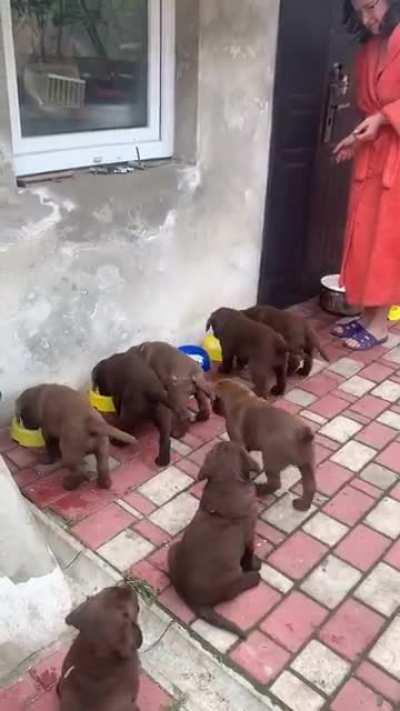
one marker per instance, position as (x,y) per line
(70,428)
(101,669)
(215,560)
(282,438)
(298,333)
(255,344)
(138,394)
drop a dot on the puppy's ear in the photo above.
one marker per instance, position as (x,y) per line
(203,474)
(78,618)
(248,463)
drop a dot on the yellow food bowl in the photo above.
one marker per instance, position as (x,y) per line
(213,348)
(394,313)
(102,403)
(24,437)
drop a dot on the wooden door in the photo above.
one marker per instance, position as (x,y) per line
(307,192)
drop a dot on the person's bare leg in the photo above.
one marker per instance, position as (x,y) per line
(374,320)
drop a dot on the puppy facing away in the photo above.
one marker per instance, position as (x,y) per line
(71,429)
(255,344)
(214,562)
(101,669)
(138,394)
(298,333)
(282,438)
(182,377)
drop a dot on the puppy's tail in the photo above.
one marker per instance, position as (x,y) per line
(103,428)
(214,618)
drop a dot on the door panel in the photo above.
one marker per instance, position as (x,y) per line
(307,193)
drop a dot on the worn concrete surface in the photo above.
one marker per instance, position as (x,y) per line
(34,596)
(93,264)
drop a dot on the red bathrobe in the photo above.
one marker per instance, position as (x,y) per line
(371,261)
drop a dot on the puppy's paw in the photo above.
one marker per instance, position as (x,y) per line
(277,391)
(104,482)
(263,490)
(163,460)
(253,578)
(72,481)
(301,504)
(256,563)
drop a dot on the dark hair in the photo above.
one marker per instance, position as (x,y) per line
(356,28)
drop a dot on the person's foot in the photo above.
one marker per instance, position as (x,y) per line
(346,329)
(366,338)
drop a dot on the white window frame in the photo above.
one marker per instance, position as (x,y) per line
(42,154)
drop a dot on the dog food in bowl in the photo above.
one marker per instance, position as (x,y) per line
(332,297)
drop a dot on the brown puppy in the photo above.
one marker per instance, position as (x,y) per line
(282,438)
(215,559)
(263,349)
(70,428)
(138,394)
(101,669)
(182,377)
(299,335)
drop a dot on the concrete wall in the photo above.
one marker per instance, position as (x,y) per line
(94,264)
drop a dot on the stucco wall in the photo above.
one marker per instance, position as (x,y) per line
(96,263)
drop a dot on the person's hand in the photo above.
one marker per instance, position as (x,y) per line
(368,129)
(345,149)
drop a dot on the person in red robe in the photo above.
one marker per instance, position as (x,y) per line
(371,262)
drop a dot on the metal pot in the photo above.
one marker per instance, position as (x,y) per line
(332,297)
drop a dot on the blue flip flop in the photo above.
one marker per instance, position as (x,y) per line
(365,340)
(347,330)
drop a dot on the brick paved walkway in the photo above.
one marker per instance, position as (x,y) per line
(324,630)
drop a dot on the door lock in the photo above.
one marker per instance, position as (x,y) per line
(339,85)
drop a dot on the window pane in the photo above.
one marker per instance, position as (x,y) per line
(82,65)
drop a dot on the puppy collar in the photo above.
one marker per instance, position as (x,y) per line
(214,512)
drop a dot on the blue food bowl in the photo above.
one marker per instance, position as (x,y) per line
(198,354)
